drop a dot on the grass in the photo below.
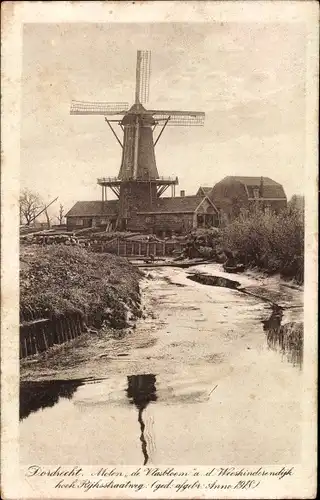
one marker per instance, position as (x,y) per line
(60,279)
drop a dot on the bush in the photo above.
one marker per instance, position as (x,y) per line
(273,243)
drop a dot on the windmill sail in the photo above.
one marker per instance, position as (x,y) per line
(176,118)
(143,71)
(98,108)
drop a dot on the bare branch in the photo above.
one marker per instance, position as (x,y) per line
(30,203)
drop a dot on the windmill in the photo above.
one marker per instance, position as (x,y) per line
(138,183)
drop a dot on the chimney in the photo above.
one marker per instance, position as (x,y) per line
(182,194)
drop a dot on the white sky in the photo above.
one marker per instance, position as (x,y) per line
(248,78)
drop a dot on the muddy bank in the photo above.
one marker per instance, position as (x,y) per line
(100,347)
(284,327)
(57,283)
(90,354)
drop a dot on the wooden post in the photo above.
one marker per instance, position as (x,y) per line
(125,249)
(139,248)
(33,341)
(61,329)
(69,328)
(118,246)
(20,347)
(163,248)
(44,338)
(27,342)
(148,248)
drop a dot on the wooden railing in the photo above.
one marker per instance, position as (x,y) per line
(125,247)
(38,334)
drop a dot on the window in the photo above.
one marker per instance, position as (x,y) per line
(79,222)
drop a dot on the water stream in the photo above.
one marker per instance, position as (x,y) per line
(199,382)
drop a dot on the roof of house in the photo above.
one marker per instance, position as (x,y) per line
(204,189)
(270,188)
(93,208)
(182,204)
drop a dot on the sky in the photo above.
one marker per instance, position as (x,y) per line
(249,79)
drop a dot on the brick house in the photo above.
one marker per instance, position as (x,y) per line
(237,194)
(168,215)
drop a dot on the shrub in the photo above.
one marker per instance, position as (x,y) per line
(274,243)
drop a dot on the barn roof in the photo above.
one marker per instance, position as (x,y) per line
(270,188)
(93,208)
(251,181)
(182,204)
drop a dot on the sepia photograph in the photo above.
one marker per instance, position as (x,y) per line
(162,262)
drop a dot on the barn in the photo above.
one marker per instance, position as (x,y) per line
(209,207)
(234,195)
(167,215)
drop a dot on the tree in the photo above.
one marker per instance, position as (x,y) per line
(30,204)
(296,203)
(61,214)
(48,218)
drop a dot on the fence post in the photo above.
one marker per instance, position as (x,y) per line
(118,246)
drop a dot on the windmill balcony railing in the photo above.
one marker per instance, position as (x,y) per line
(158,180)
(111,180)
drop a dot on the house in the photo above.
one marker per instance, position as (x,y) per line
(167,215)
(86,214)
(238,194)
(179,214)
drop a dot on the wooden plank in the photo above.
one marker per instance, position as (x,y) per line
(34,322)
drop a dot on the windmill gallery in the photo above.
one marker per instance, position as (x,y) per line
(138,187)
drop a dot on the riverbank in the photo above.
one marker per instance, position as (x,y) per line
(60,280)
(91,354)
(59,283)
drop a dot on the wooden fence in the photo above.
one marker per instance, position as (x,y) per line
(38,333)
(133,248)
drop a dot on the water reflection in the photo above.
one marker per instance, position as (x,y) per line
(206,279)
(288,337)
(38,395)
(141,391)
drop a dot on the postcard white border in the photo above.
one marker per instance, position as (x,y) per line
(14,15)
